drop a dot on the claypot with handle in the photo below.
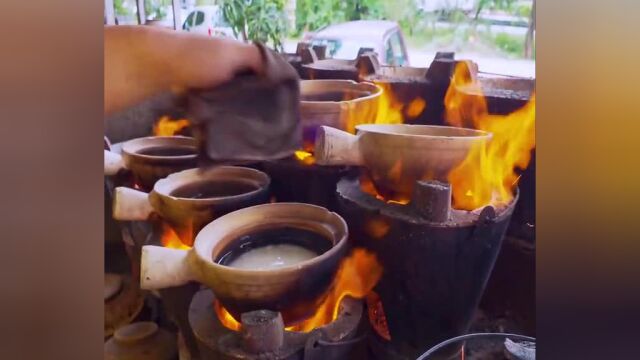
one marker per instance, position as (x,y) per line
(337,103)
(189,199)
(295,290)
(152,158)
(398,155)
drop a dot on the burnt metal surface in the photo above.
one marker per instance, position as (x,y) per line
(510,292)
(434,273)
(340,69)
(332,341)
(305,54)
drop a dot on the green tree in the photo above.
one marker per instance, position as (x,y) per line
(155,9)
(313,15)
(493,4)
(119,8)
(257,20)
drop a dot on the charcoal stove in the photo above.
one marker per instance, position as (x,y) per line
(294,180)
(305,54)
(263,334)
(436,263)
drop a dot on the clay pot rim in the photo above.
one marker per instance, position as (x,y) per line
(204,249)
(346,84)
(263,180)
(149,141)
(387,129)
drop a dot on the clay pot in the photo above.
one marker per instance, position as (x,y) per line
(141,341)
(221,189)
(398,155)
(341,104)
(152,158)
(294,290)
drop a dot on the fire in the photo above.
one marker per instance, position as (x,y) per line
(487,175)
(377,227)
(225,318)
(392,110)
(356,277)
(170,239)
(415,107)
(168,127)
(367,186)
(305,157)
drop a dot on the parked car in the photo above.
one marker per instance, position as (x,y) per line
(208,20)
(344,40)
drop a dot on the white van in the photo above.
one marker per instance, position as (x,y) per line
(208,20)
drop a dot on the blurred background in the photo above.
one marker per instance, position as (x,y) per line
(497,34)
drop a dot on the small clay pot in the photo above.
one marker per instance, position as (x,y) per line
(220,189)
(294,290)
(341,104)
(141,341)
(397,155)
(152,158)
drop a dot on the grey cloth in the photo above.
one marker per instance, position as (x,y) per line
(250,118)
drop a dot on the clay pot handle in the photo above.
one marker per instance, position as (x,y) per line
(113,163)
(336,147)
(162,267)
(130,204)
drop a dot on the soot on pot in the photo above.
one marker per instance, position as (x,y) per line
(274,248)
(168,151)
(212,189)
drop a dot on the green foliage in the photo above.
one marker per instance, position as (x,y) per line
(155,9)
(119,8)
(312,15)
(257,20)
(523,10)
(513,45)
(494,5)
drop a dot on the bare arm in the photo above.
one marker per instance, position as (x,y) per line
(141,61)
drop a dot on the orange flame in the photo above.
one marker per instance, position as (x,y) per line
(170,239)
(168,127)
(225,318)
(305,157)
(392,110)
(487,175)
(356,277)
(377,227)
(415,107)
(367,186)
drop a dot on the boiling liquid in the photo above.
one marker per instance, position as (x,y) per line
(272,257)
(274,248)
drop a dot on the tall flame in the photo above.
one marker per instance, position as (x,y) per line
(487,175)
(168,127)
(356,277)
